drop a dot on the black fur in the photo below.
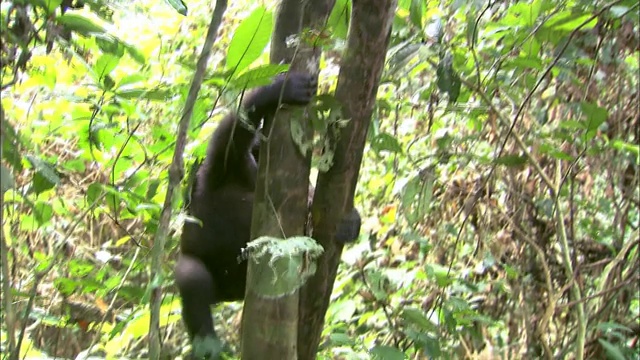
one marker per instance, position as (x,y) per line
(208,271)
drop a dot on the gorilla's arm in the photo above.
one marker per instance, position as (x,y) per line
(230,147)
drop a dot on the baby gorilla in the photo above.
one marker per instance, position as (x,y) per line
(208,271)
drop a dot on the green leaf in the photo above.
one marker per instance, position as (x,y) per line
(417,195)
(511,160)
(154,94)
(633,149)
(386,142)
(612,327)
(179,6)
(415,12)
(132,79)
(43,212)
(339,19)
(596,116)
(440,273)
(110,45)
(259,76)
(65,286)
(79,268)
(340,339)
(107,83)
(249,39)
(94,192)
(416,317)
(555,152)
(79,24)
(571,125)
(11,145)
(448,80)
(135,54)
(117,47)
(402,55)
(524,63)
(45,176)
(342,311)
(105,65)
(569,21)
(50,6)
(383,352)
(472,29)
(613,351)
(6,179)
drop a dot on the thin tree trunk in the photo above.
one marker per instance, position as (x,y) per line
(358,81)
(270,326)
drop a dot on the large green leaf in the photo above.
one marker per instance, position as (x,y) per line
(339,19)
(250,39)
(79,24)
(259,76)
(382,352)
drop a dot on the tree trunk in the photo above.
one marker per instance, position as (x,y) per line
(281,198)
(358,81)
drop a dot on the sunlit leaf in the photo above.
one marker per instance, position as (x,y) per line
(135,54)
(383,352)
(258,76)
(249,39)
(43,212)
(568,21)
(415,12)
(386,142)
(441,274)
(79,24)
(340,339)
(65,285)
(110,45)
(105,65)
(132,79)
(339,19)
(417,317)
(149,94)
(50,6)
(342,311)
(595,115)
(417,196)
(634,149)
(179,6)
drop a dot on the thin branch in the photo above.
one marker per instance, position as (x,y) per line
(176,172)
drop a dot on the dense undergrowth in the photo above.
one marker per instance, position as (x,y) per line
(499,187)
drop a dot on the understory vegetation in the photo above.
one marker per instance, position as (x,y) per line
(499,189)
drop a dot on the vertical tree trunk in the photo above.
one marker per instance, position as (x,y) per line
(280,204)
(358,81)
